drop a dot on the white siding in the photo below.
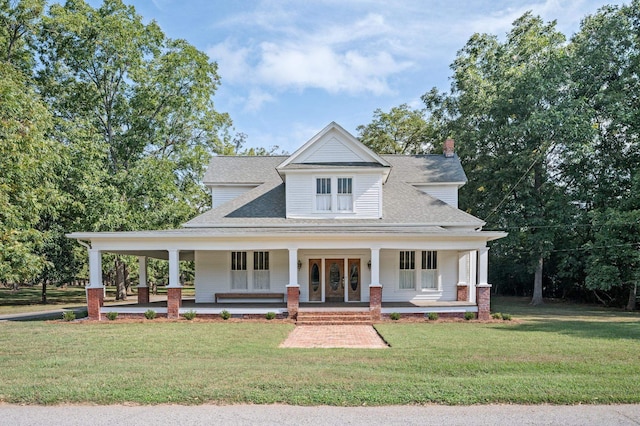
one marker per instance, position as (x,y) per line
(213,273)
(447,276)
(368,196)
(329,152)
(446,193)
(301,191)
(222,194)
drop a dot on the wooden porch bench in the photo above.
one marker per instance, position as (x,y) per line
(219,296)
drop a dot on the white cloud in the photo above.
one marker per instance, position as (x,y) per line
(232,61)
(256,99)
(302,66)
(339,57)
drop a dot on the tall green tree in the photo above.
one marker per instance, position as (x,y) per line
(141,105)
(511,110)
(606,55)
(27,190)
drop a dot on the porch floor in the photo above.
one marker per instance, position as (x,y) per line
(255,308)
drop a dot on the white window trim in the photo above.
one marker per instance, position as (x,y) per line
(334,194)
(438,287)
(417,271)
(410,271)
(249,271)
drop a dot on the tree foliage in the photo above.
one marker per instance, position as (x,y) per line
(115,136)
(27,190)
(399,131)
(548,132)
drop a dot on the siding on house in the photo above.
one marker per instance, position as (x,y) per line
(367,195)
(447,276)
(446,193)
(330,151)
(213,273)
(222,194)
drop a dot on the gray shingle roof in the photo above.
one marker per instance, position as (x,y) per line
(240,169)
(426,168)
(403,204)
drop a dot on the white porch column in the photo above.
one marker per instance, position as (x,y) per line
(293,288)
(174,268)
(293,268)
(463,268)
(95,268)
(483,266)
(473,275)
(375,266)
(142,272)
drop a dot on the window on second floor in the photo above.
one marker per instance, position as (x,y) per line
(323,194)
(334,201)
(345,197)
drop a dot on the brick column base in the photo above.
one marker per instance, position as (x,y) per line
(95,300)
(463,293)
(143,295)
(483,298)
(293,301)
(375,302)
(174,301)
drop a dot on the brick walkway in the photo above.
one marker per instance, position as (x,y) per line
(334,336)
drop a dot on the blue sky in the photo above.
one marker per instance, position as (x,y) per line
(289,68)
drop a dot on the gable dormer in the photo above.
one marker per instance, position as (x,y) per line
(334,175)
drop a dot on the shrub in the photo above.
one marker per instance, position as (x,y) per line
(189,315)
(432,316)
(469,316)
(506,317)
(270,315)
(496,315)
(150,314)
(112,315)
(68,315)
(225,315)
(394,316)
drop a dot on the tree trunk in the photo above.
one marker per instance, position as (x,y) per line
(44,292)
(121,291)
(633,293)
(127,282)
(537,284)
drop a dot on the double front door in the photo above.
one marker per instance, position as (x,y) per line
(340,284)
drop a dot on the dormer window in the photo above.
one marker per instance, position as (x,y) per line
(345,197)
(323,194)
(337,201)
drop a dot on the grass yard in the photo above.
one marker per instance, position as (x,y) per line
(550,358)
(27,299)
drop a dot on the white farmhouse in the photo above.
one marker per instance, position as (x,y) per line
(333,224)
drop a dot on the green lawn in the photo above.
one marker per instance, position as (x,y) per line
(28,299)
(551,358)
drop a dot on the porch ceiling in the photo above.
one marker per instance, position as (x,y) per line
(186,255)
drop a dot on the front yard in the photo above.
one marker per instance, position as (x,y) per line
(590,357)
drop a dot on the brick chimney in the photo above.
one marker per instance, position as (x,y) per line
(448,148)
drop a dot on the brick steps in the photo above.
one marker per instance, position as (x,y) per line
(334,318)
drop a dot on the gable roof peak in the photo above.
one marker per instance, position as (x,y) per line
(330,140)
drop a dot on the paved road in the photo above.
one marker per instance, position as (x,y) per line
(511,415)
(42,315)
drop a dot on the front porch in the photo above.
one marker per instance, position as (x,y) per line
(259,310)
